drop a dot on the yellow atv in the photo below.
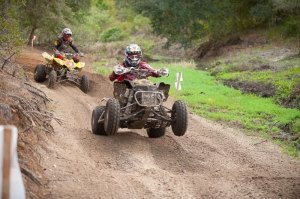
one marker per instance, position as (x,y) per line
(59,70)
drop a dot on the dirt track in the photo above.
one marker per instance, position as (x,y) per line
(210,161)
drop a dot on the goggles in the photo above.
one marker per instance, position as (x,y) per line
(134,56)
(67,35)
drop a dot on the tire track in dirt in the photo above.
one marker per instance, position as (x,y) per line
(211,161)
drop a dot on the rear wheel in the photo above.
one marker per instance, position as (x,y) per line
(84,84)
(98,128)
(156,133)
(40,73)
(179,118)
(112,116)
(52,79)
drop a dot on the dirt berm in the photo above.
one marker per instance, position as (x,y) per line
(210,161)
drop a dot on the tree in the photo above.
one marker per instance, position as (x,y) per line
(10,37)
(48,16)
(190,20)
(179,21)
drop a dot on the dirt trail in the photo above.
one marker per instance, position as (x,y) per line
(210,161)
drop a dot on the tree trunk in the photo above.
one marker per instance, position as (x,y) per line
(31,35)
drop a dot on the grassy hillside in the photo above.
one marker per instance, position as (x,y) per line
(209,98)
(265,70)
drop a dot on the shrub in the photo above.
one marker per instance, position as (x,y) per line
(10,38)
(112,34)
(291,27)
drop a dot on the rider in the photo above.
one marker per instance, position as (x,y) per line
(133,58)
(63,42)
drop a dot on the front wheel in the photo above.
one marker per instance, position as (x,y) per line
(84,84)
(98,128)
(40,73)
(179,118)
(52,79)
(112,116)
(156,133)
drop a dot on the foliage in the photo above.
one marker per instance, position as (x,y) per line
(49,17)
(112,34)
(286,5)
(10,36)
(292,27)
(171,18)
(188,21)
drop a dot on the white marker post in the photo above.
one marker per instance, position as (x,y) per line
(178,80)
(33,38)
(11,183)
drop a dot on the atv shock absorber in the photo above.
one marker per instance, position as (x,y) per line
(130,97)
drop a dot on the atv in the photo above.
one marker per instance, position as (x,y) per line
(59,70)
(138,104)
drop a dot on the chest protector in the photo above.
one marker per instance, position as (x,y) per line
(63,45)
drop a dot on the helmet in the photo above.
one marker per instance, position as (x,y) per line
(133,55)
(66,33)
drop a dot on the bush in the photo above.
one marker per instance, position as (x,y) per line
(112,34)
(291,27)
(10,38)
(261,13)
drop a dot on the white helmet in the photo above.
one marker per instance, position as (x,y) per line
(133,54)
(67,31)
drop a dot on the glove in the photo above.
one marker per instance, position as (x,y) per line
(56,52)
(163,72)
(118,70)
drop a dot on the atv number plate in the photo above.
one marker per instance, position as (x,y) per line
(148,98)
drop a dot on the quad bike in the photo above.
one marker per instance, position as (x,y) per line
(138,104)
(59,70)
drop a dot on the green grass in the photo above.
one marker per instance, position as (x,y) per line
(284,80)
(264,64)
(208,98)
(101,68)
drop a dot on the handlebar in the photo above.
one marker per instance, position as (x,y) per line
(141,73)
(68,54)
(74,54)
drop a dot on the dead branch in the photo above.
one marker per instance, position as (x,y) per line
(5,111)
(57,180)
(32,112)
(26,115)
(7,60)
(31,176)
(27,129)
(23,104)
(21,100)
(37,91)
(260,142)
(30,147)
(47,131)
(58,120)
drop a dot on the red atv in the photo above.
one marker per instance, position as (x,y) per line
(138,104)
